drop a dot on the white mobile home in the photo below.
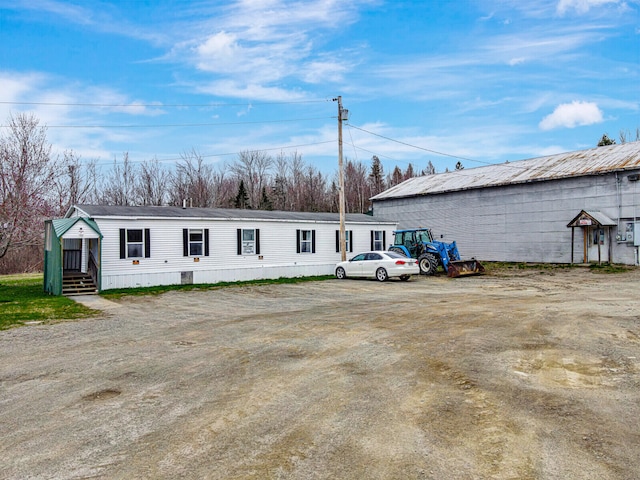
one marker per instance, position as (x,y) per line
(571,207)
(125,247)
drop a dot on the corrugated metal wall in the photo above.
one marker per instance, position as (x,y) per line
(520,223)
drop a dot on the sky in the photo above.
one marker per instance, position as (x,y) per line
(480,82)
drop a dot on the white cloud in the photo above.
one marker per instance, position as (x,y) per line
(570,115)
(582,6)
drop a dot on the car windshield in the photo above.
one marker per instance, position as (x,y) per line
(394,255)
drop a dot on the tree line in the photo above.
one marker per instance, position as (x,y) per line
(37,184)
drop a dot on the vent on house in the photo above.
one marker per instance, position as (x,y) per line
(633,178)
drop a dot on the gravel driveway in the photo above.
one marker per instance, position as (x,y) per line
(520,374)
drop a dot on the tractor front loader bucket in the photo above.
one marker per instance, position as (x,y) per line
(459,268)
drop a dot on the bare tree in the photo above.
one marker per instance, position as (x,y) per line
(153,185)
(356,187)
(625,136)
(120,186)
(396,177)
(193,182)
(253,167)
(77,182)
(27,174)
(429,170)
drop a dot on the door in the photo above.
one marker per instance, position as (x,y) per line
(371,264)
(597,245)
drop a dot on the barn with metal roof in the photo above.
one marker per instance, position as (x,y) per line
(581,206)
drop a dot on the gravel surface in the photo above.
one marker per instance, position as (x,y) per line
(519,374)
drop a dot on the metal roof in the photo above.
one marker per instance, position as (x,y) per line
(598,218)
(102,211)
(62,225)
(594,161)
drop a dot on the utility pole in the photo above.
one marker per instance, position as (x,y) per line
(342,115)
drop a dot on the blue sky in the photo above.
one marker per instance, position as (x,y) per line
(485,81)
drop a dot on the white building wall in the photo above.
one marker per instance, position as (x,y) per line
(277,258)
(525,222)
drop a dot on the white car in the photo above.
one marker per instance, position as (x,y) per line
(379,265)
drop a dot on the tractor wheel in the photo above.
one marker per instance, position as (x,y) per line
(428,264)
(404,278)
(397,250)
(382,275)
(340,273)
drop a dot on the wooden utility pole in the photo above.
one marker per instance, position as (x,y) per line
(343,235)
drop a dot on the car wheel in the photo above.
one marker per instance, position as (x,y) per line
(340,273)
(404,278)
(397,250)
(428,264)
(381,275)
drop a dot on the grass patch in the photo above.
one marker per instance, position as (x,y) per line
(610,268)
(22,299)
(115,294)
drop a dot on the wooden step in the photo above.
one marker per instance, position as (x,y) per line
(78,284)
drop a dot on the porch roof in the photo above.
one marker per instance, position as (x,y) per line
(591,218)
(62,225)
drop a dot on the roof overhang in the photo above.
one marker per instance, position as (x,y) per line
(592,218)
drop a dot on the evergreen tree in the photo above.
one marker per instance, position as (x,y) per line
(265,201)
(605,140)
(242,198)
(376,177)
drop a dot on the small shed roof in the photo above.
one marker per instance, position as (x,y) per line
(62,225)
(593,161)
(118,211)
(591,218)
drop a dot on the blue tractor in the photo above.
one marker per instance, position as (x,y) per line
(419,243)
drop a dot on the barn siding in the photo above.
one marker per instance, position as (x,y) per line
(520,223)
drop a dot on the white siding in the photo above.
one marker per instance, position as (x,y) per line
(278,257)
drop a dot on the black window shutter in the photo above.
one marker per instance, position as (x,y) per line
(123,243)
(239,241)
(147,243)
(185,242)
(384,239)
(206,242)
(257,241)
(351,240)
(337,240)
(372,234)
(297,241)
(313,241)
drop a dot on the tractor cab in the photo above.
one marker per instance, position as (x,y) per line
(413,240)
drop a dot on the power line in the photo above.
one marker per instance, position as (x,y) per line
(288,147)
(174,125)
(158,105)
(418,147)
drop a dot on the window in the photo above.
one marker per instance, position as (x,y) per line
(306,241)
(348,240)
(195,242)
(135,243)
(248,241)
(377,239)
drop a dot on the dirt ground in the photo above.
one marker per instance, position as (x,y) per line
(519,374)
